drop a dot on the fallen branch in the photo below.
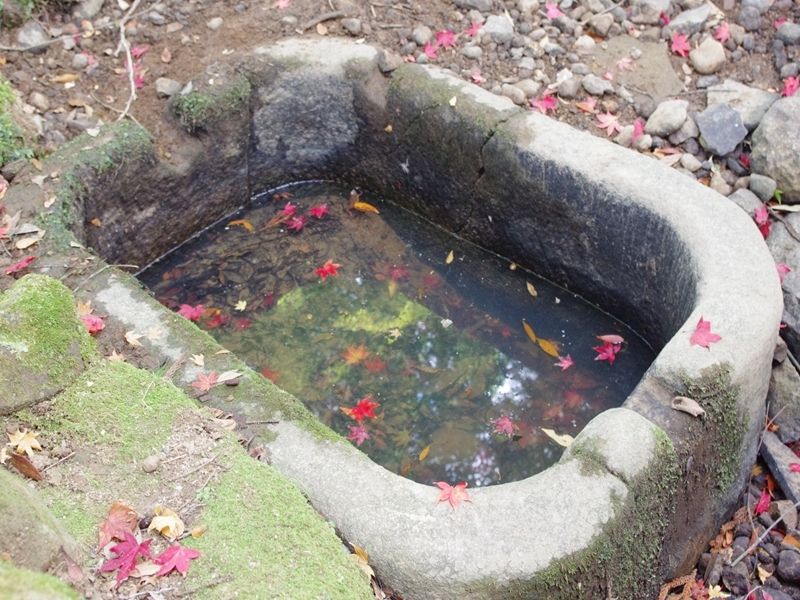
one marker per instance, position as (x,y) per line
(197,468)
(260,422)
(125,45)
(58,462)
(323,17)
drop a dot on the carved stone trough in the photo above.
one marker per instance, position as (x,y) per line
(643,487)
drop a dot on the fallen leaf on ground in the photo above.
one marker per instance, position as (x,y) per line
(240,305)
(121,519)
(20,265)
(133,338)
(198,359)
(723,33)
(26,467)
(229,375)
(679,45)
(362,560)
(588,105)
(702,335)
(715,591)
(608,122)
(74,570)
(544,104)
(115,357)
(205,382)
(175,557)
(24,442)
(562,440)
(127,552)
(167,523)
(763,502)
(688,406)
(454,495)
(166,55)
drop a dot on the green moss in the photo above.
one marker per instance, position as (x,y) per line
(197,110)
(22,584)
(592,461)
(13,144)
(261,531)
(625,555)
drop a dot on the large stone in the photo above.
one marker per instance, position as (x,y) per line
(749,18)
(44,346)
(721,129)
(33,37)
(786,249)
(708,57)
(648,11)
(762,186)
(789,33)
(500,28)
(29,532)
(751,103)
(784,401)
(690,21)
(776,146)
(669,116)
(22,584)
(779,457)
(88,8)
(597,86)
(166,88)
(481,5)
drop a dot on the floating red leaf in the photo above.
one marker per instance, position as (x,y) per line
(329,268)
(358,434)
(362,410)
(607,351)
(453,495)
(504,425)
(175,557)
(296,223)
(355,355)
(289,209)
(565,362)
(398,273)
(702,335)
(375,364)
(271,375)
(318,211)
(193,313)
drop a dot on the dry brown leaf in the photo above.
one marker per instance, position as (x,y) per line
(26,467)
(154,333)
(114,357)
(29,241)
(24,442)
(449,258)
(74,570)
(167,523)
(229,375)
(531,290)
(84,308)
(198,531)
(96,222)
(133,338)
(199,360)
(65,78)
(687,405)
(228,424)
(166,55)
(362,560)
(121,519)
(685,583)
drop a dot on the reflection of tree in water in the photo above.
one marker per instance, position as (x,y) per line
(454,368)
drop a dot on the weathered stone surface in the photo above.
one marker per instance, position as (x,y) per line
(26,518)
(785,250)
(746,200)
(749,18)
(778,458)
(784,401)
(776,146)
(789,566)
(721,129)
(669,116)
(500,28)
(648,11)
(33,37)
(481,5)
(43,344)
(22,584)
(762,186)
(751,103)
(789,33)
(597,86)
(708,57)
(511,91)
(166,87)
(87,9)
(422,35)
(690,21)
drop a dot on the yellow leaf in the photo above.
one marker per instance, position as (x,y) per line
(531,290)
(96,222)
(392,288)
(365,207)
(362,560)
(763,574)
(453,101)
(562,440)
(449,258)
(243,222)
(65,78)
(84,308)
(716,592)
(757,470)
(548,347)
(167,523)
(114,357)
(198,531)
(24,442)
(529,331)
(240,305)
(28,241)
(388,129)
(424,452)
(198,359)
(133,338)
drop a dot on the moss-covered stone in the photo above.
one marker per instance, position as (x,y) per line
(198,109)
(43,343)
(22,584)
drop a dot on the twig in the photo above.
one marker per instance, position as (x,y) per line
(793,360)
(764,535)
(175,366)
(145,395)
(85,281)
(137,594)
(197,588)
(261,422)
(124,45)
(792,231)
(109,107)
(323,17)
(390,25)
(173,459)
(197,468)
(58,462)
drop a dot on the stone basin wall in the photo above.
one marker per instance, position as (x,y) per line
(643,488)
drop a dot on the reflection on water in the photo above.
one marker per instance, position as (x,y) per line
(436,339)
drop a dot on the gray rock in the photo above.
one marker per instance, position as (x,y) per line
(389,61)
(570,88)
(687,130)
(516,94)
(527,63)
(669,116)
(32,37)
(625,136)
(708,57)
(776,146)
(790,70)
(527,6)
(721,129)
(647,11)
(764,187)
(80,61)
(789,33)
(88,8)
(778,458)
(475,16)
(737,33)
(760,5)
(214,23)
(751,103)
(152,462)
(481,5)
(643,142)
(749,18)
(720,185)
(784,398)
(352,26)
(706,81)
(789,566)
(157,18)
(39,101)
(165,87)
(421,35)
(500,28)
(529,86)
(597,86)
(690,162)
(601,24)
(690,21)
(746,200)
(473,52)
(584,42)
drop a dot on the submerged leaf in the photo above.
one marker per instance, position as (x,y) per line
(531,290)
(562,440)
(549,347)
(529,331)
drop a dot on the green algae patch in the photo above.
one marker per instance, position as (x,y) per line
(197,110)
(44,346)
(263,533)
(22,584)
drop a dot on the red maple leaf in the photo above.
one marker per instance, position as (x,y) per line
(477,78)
(138,51)
(363,409)
(375,364)
(543,104)
(318,211)
(269,300)
(271,375)
(358,434)
(625,64)
(763,502)
(20,265)
(588,105)
(702,335)
(430,50)
(296,223)
(216,321)
(243,323)
(791,84)
(121,519)
(608,122)
(175,557)
(611,338)
(127,552)
(761,216)
(193,313)
(329,268)
(289,209)
(607,351)
(93,323)
(794,467)
(638,129)
(553,11)
(445,38)
(723,33)
(474,29)
(205,382)
(779,22)
(354,355)
(783,270)
(504,425)
(284,3)
(663,19)
(679,44)
(398,273)
(453,495)
(430,281)
(565,362)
